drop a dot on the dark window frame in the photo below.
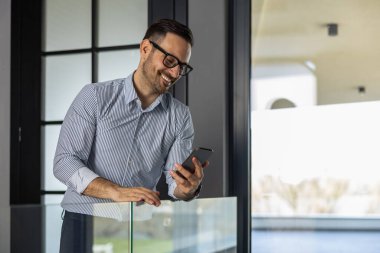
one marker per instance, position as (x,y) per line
(25,102)
(239,139)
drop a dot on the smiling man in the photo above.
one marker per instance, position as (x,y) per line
(119,136)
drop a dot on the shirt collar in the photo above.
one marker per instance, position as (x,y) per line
(131,95)
(163,98)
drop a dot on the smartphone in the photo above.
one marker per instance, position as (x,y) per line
(202,154)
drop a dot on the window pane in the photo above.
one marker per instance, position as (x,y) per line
(64,77)
(315,101)
(52,199)
(122,21)
(52,222)
(50,138)
(117,64)
(67,24)
(303,166)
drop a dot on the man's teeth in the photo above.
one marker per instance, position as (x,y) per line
(165,78)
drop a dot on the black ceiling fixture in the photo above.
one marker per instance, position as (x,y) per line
(361,89)
(332,29)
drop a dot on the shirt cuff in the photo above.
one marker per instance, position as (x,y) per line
(171,189)
(196,193)
(81,179)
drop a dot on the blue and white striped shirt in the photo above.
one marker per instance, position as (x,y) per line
(106,133)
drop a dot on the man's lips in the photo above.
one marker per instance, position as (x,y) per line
(167,79)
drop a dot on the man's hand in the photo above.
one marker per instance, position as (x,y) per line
(103,188)
(189,183)
(136,194)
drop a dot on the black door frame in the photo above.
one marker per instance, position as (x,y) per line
(239,143)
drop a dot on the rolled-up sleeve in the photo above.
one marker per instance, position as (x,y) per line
(180,149)
(75,141)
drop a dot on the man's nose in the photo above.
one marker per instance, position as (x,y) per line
(175,71)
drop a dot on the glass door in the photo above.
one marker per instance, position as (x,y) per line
(315,127)
(84,41)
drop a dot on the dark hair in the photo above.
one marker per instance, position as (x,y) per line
(163,26)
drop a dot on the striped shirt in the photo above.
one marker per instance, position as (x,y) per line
(106,133)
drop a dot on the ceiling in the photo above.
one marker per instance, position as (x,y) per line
(295,31)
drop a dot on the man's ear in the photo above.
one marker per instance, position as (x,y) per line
(145,48)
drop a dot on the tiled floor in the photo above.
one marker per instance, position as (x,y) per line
(315,242)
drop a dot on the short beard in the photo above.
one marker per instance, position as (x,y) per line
(151,81)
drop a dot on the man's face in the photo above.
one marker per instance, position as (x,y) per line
(159,77)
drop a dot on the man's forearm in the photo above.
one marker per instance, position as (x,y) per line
(105,189)
(102,188)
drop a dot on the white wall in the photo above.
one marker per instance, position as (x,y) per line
(5,25)
(291,81)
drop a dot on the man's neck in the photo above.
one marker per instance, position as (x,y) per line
(143,89)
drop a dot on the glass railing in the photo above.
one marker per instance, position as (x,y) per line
(202,225)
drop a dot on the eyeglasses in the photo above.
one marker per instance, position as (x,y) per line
(170,61)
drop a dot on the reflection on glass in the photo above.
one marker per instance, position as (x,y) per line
(104,234)
(117,64)
(122,22)
(50,137)
(65,75)
(112,235)
(67,24)
(314,167)
(203,225)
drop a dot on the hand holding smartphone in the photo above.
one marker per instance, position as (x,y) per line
(202,154)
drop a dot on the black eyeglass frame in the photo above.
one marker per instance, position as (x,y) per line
(181,64)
